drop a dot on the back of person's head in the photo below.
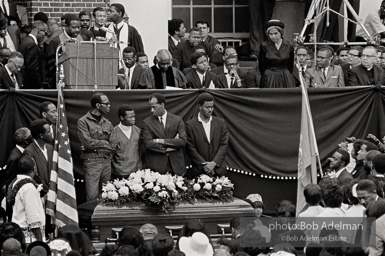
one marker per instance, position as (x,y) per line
(286,247)
(227,244)
(26,165)
(74,253)
(313,195)
(130,236)
(331,251)
(37,127)
(313,249)
(11,247)
(332,195)
(348,192)
(108,250)
(369,146)
(175,253)
(285,208)
(235,223)
(371,154)
(354,251)
(21,135)
(375,209)
(379,184)
(366,185)
(12,230)
(193,226)
(162,245)
(221,252)
(40,16)
(126,250)
(379,163)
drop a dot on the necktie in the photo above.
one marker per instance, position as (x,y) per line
(232,82)
(14,81)
(161,121)
(203,81)
(303,72)
(4,42)
(128,79)
(325,72)
(5,9)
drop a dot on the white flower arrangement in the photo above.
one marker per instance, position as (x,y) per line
(165,190)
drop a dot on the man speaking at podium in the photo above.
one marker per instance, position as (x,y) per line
(120,32)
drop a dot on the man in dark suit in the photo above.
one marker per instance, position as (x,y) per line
(367,73)
(164,137)
(176,31)
(10,77)
(9,35)
(207,140)
(338,163)
(32,71)
(367,192)
(129,76)
(41,151)
(300,67)
(200,76)
(233,76)
(354,60)
(22,139)
(9,9)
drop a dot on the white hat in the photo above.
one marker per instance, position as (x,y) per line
(354,190)
(254,198)
(197,244)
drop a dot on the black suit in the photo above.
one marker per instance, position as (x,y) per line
(175,137)
(32,71)
(345,68)
(12,9)
(6,81)
(44,167)
(344,178)
(200,150)
(252,78)
(359,76)
(194,82)
(222,81)
(136,76)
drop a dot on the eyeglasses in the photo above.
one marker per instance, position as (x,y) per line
(352,55)
(367,56)
(17,66)
(45,32)
(105,103)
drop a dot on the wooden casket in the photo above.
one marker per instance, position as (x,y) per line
(105,218)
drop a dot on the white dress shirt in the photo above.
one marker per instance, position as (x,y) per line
(206,126)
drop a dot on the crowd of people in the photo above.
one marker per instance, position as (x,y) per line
(28,55)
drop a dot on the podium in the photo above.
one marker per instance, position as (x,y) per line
(88,63)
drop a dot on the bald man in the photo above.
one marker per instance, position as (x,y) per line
(162,74)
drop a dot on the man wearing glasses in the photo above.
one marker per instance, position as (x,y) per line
(354,60)
(32,71)
(367,73)
(10,77)
(232,78)
(94,132)
(325,74)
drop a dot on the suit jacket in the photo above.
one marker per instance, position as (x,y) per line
(359,76)
(175,137)
(6,81)
(12,9)
(183,52)
(345,68)
(218,70)
(171,46)
(200,150)
(32,71)
(11,171)
(14,33)
(44,167)
(252,78)
(135,81)
(344,178)
(315,78)
(194,82)
(222,80)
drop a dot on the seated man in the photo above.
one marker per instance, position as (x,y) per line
(185,49)
(10,76)
(233,76)
(341,56)
(200,76)
(130,75)
(162,74)
(142,60)
(354,60)
(324,74)
(368,73)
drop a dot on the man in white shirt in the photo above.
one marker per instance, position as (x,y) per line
(313,197)
(10,77)
(207,140)
(129,76)
(338,163)
(28,211)
(176,31)
(6,40)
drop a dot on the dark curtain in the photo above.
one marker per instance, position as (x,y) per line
(264,124)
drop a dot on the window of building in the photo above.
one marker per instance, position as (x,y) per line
(227,18)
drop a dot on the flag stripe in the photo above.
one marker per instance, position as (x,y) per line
(61,203)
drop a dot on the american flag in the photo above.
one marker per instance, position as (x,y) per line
(61,202)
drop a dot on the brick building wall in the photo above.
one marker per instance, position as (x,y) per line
(56,8)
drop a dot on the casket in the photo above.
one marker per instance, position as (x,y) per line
(105,218)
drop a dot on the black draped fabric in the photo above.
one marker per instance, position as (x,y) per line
(264,125)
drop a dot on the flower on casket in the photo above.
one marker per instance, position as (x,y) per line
(113,195)
(109,187)
(119,183)
(204,179)
(156,188)
(137,188)
(163,194)
(196,187)
(104,195)
(149,185)
(218,188)
(124,191)
(208,186)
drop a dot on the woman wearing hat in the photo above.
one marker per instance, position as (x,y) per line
(276,58)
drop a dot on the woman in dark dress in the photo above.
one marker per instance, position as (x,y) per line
(276,58)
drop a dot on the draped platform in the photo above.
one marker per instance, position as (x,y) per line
(264,126)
